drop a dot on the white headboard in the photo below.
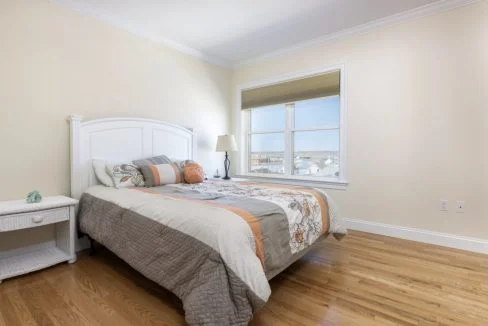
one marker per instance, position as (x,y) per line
(123,140)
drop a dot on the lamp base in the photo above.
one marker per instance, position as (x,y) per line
(226,166)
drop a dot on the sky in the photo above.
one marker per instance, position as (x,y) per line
(309,114)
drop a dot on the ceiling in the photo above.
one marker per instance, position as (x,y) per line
(232,32)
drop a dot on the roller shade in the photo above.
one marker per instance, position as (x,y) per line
(296,90)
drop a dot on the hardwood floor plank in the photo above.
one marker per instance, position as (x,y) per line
(33,297)
(364,280)
(101,312)
(147,308)
(18,310)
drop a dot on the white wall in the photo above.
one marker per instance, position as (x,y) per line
(416,119)
(55,62)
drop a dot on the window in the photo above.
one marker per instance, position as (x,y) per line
(267,140)
(316,137)
(297,139)
(312,126)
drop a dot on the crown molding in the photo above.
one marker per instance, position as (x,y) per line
(121,23)
(419,12)
(426,10)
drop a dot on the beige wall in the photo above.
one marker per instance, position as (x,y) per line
(55,62)
(416,119)
(417,105)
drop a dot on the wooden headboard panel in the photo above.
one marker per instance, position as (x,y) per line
(123,140)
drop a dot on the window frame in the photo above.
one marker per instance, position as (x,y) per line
(243,134)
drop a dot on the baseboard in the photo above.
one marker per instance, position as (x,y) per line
(431,237)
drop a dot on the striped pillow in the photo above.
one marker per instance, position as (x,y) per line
(161,159)
(160,174)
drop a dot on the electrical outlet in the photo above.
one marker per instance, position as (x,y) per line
(443,205)
(460,206)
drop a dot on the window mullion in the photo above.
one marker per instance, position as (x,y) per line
(289,125)
(247,149)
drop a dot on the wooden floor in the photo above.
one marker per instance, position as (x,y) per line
(363,280)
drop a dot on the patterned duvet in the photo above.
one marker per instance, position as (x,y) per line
(214,244)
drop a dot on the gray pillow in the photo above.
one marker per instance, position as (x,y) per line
(155,160)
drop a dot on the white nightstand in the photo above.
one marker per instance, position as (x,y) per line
(17,220)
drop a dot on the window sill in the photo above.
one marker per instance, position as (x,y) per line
(299,181)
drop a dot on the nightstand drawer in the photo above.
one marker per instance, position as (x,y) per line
(28,220)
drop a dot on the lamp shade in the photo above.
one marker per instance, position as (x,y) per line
(226,143)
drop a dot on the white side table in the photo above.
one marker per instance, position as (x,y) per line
(18,216)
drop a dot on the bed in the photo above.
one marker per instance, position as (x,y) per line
(214,244)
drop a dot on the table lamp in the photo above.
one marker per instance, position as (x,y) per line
(226,143)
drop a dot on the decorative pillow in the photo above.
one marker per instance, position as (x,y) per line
(100,168)
(193,173)
(161,159)
(181,166)
(161,174)
(125,175)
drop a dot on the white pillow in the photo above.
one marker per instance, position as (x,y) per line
(100,168)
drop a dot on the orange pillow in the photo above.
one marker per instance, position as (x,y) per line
(193,173)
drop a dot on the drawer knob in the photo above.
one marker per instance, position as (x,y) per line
(37,219)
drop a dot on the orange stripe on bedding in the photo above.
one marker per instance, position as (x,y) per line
(155,174)
(324,206)
(253,223)
(250,219)
(146,190)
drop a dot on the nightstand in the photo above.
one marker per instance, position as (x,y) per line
(37,235)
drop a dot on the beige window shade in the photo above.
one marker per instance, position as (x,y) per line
(300,89)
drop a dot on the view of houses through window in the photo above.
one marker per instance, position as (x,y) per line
(299,138)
